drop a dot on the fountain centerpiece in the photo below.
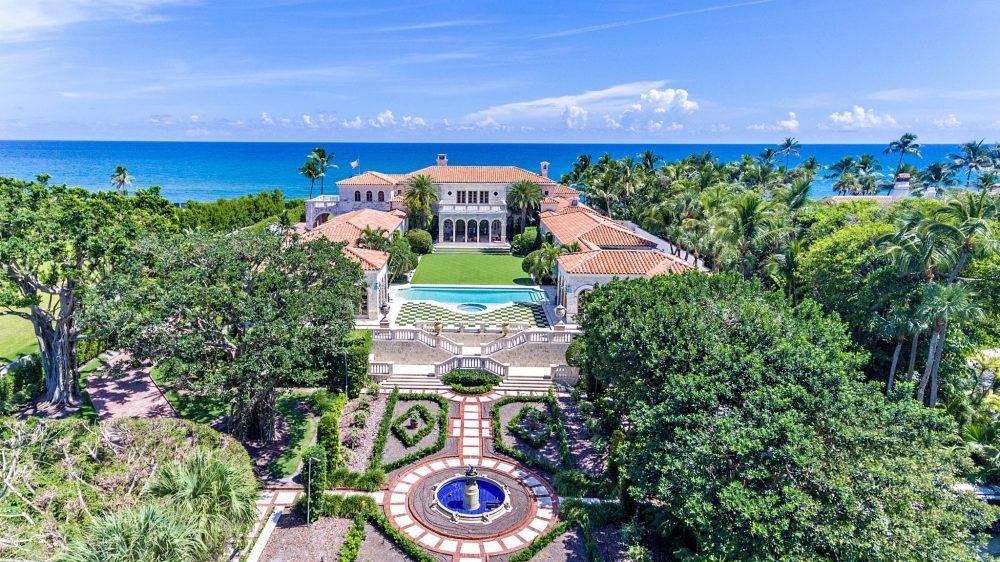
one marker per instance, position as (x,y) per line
(471,498)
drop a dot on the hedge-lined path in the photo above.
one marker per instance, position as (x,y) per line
(471,426)
(132,394)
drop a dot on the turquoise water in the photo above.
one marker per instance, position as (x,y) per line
(465,295)
(205,171)
(452,496)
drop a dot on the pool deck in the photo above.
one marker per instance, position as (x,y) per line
(396,302)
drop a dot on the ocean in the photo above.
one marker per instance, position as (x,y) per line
(204,171)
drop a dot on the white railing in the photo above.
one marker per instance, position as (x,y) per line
(380,368)
(473,327)
(564,374)
(471,208)
(420,335)
(472,362)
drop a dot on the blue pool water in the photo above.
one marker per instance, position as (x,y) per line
(471,295)
(452,494)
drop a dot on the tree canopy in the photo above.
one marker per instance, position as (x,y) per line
(750,430)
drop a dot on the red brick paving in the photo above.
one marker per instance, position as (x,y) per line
(132,394)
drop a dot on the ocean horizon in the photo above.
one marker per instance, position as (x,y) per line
(205,171)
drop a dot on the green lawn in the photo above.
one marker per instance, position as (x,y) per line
(303,432)
(17,338)
(190,406)
(470,269)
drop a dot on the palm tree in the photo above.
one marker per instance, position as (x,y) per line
(220,496)
(972,156)
(811,165)
(939,175)
(420,194)
(966,222)
(541,263)
(840,171)
(121,180)
(789,147)
(43,179)
(942,304)
(524,196)
(907,144)
(768,156)
(148,533)
(751,231)
(322,160)
(868,169)
(578,174)
(311,170)
(896,327)
(648,160)
(987,181)
(374,239)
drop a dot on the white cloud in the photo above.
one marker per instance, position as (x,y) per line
(413,122)
(630,106)
(195,118)
(789,124)
(859,118)
(308,121)
(658,126)
(31,20)
(266,119)
(383,119)
(719,128)
(161,120)
(355,123)
(575,117)
(949,122)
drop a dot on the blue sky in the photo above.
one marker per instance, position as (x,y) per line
(559,71)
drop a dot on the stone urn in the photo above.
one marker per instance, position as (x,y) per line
(413,422)
(437,328)
(505,329)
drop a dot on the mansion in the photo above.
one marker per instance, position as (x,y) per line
(472,211)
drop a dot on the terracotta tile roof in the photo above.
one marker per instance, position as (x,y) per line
(371,178)
(622,262)
(347,227)
(370,260)
(480,174)
(589,226)
(398,199)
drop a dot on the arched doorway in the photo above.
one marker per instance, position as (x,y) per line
(320,219)
(449,230)
(496,231)
(473,227)
(368,196)
(484,230)
(357,196)
(460,230)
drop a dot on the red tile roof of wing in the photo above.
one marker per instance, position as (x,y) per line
(347,227)
(480,174)
(622,262)
(591,227)
(370,260)
(371,178)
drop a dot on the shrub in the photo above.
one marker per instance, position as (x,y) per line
(464,381)
(314,480)
(566,459)
(526,241)
(383,433)
(21,383)
(328,430)
(344,478)
(419,411)
(383,430)
(529,415)
(353,440)
(358,346)
(359,419)
(420,241)
(402,260)
(355,536)
(576,353)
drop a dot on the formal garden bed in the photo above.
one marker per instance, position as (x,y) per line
(413,426)
(530,430)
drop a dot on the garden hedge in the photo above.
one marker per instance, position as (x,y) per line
(383,431)
(424,414)
(314,481)
(470,381)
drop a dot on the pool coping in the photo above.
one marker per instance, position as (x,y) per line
(453,307)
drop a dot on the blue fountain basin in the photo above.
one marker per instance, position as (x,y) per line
(451,496)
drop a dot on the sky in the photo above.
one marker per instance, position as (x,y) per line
(667,71)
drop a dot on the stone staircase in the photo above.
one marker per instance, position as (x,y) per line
(520,380)
(527,379)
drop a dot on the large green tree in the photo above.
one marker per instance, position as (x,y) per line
(233,314)
(751,433)
(420,194)
(55,243)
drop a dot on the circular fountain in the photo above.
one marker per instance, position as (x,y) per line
(471,307)
(471,498)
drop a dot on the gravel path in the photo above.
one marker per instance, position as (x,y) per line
(584,455)
(394,448)
(377,548)
(292,541)
(361,455)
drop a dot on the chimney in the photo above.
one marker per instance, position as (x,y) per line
(545,169)
(442,160)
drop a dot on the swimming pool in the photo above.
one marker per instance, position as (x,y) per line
(471,295)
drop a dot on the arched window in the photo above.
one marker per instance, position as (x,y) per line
(484,230)
(357,196)
(473,228)
(460,230)
(381,196)
(368,196)
(449,230)
(496,231)
(321,218)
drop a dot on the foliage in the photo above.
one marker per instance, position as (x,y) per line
(55,243)
(376,464)
(402,259)
(417,411)
(749,426)
(370,480)
(314,469)
(147,533)
(65,474)
(573,513)
(525,242)
(531,416)
(555,425)
(328,430)
(226,215)
(420,241)
(21,383)
(258,311)
(352,541)
(524,198)
(469,381)
(420,194)
(355,352)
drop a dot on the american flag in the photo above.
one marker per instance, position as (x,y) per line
(356,163)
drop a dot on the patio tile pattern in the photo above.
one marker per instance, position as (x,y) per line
(412,312)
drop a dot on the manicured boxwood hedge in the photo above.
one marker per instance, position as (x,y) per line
(355,536)
(469,381)
(316,484)
(406,437)
(556,425)
(329,405)
(383,431)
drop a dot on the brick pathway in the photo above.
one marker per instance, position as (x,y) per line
(471,427)
(131,395)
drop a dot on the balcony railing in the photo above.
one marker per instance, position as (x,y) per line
(471,208)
